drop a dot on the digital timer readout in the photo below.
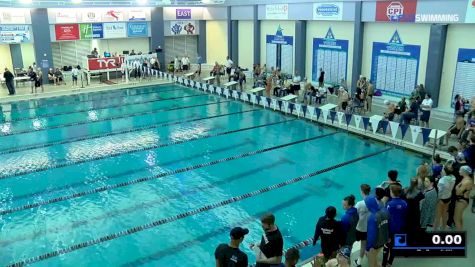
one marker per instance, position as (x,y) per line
(439,244)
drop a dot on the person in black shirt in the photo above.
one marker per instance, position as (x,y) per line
(9,81)
(229,255)
(330,231)
(412,113)
(292,256)
(272,243)
(321,78)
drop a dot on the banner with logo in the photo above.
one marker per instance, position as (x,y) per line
(97,31)
(183,13)
(104,63)
(280,11)
(396,11)
(464,82)
(331,55)
(137,14)
(12,16)
(328,11)
(14,34)
(280,51)
(470,16)
(66,32)
(183,27)
(90,16)
(65,16)
(115,30)
(85,31)
(395,66)
(137,29)
(111,15)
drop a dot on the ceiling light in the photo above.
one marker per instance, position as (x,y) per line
(76,1)
(142,2)
(26,1)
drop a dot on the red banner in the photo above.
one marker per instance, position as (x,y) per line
(66,32)
(105,63)
(396,11)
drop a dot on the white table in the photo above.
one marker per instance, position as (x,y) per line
(230,84)
(440,134)
(209,79)
(188,75)
(257,90)
(288,97)
(328,106)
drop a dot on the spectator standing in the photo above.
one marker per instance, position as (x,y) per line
(230,254)
(9,81)
(349,220)
(330,232)
(413,196)
(176,64)
(39,81)
(321,78)
(428,204)
(426,107)
(459,106)
(185,61)
(437,166)
(369,96)
(272,243)
(32,74)
(229,64)
(462,193)
(455,129)
(378,230)
(397,209)
(362,225)
(296,83)
(469,152)
(445,186)
(75,74)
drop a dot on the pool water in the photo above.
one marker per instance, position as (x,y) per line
(98,179)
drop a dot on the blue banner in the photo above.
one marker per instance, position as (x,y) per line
(395,66)
(97,31)
(464,84)
(137,29)
(15,34)
(331,55)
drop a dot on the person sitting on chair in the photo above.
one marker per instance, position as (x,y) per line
(310,92)
(456,129)
(343,98)
(58,76)
(412,113)
(401,106)
(389,114)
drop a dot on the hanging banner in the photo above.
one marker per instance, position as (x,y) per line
(331,55)
(66,32)
(85,31)
(280,51)
(183,13)
(104,63)
(115,30)
(394,127)
(280,11)
(137,29)
(184,27)
(415,130)
(396,11)
(90,16)
(137,14)
(470,16)
(97,31)
(395,66)
(15,34)
(111,15)
(65,16)
(12,16)
(464,83)
(328,11)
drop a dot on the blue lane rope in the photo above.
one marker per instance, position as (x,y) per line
(98,108)
(183,215)
(152,111)
(157,176)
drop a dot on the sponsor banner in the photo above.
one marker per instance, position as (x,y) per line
(111,15)
(105,63)
(470,16)
(65,16)
(137,14)
(137,29)
(97,31)
(328,11)
(437,17)
(396,11)
(12,16)
(115,30)
(85,31)
(280,11)
(15,34)
(183,13)
(187,27)
(66,32)
(90,16)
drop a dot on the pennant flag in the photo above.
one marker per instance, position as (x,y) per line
(425,135)
(274,104)
(249,97)
(357,121)
(304,109)
(280,104)
(384,125)
(298,109)
(348,117)
(258,99)
(234,94)
(239,95)
(226,92)
(205,87)
(192,83)
(394,127)
(253,99)
(365,123)
(332,115)
(375,124)
(291,107)
(268,101)
(286,106)
(318,112)
(340,117)
(415,130)
(404,128)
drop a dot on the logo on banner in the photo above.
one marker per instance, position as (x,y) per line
(183,27)
(65,16)
(398,11)
(328,11)
(67,32)
(12,16)
(113,15)
(137,29)
(329,34)
(395,39)
(104,63)
(14,34)
(107,63)
(280,11)
(395,11)
(470,16)
(137,14)
(183,13)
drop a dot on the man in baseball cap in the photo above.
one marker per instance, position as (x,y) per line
(230,254)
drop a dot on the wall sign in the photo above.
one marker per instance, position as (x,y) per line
(331,55)
(85,31)
(470,16)
(97,31)
(14,34)
(115,30)
(90,16)
(12,16)
(394,66)
(137,14)
(65,16)
(183,27)
(105,63)
(328,11)
(396,11)
(280,51)
(66,32)
(280,11)
(111,15)
(137,29)
(437,18)
(464,83)
(183,13)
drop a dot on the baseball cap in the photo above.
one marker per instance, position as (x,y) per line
(345,252)
(466,169)
(238,232)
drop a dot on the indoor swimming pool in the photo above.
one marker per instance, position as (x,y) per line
(158,175)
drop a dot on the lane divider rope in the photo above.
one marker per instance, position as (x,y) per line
(183,215)
(157,176)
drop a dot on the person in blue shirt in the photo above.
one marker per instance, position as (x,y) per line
(378,230)
(437,166)
(469,152)
(349,220)
(397,209)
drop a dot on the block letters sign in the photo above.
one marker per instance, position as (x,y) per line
(183,13)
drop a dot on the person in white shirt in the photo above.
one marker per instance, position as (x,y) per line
(296,83)
(176,64)
(426,107)
(362,226)
(75,74)
(185,61)
(229,65)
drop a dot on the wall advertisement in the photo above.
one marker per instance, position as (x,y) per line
(137,14)
(331,55)
(111,15)
(67,32)
(280,11)
(65,16)
(183,27)
(14,34)
(97,31)
(396,11)
(137,29)
(85,31)
(12,16)
(104,63)
(470,16)
(90,16)
(464,83)
(115,30)
(183,13)
(280,51)
(328,11)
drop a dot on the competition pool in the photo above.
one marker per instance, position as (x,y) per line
(157,176)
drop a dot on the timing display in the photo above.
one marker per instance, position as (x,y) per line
(439,244)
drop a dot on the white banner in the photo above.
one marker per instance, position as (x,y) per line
(111,15)
(15,34)
(357,120)
(328,11)
(183,27)
(415,130)
(340,117)
(311,111)
(374,124)
(280,11)
(115,30)
(298,109)
(90,16)
(13,16)
(325,115)
(139,14)
(394,127)
(65,16)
